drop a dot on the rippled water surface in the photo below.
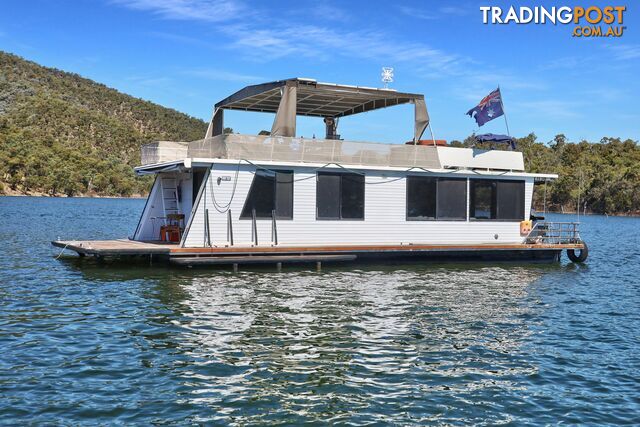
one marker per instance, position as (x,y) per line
(91,343)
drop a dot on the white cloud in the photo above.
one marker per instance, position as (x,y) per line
(264,38)
(328,12)
(319,42)
(222,75)
(567,62)
(456,10)
(605,94)
(429,14)
(199,10)
(418,13)
(624,52)
(549,108)
(149,81)
(177,38)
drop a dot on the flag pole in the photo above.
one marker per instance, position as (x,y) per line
(504,113)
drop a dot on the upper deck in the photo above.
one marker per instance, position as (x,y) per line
(305,97)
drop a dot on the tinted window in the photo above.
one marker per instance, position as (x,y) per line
(352,196)
(340,196)
(483,199)
(452,198)
(270,191)
(421,197)
(284,195)
(328,196)
(497,199)
(510,200)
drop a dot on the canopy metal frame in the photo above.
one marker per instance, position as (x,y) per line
(306,97)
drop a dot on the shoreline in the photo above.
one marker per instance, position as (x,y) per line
(81,196)
(615,214)
(142,197)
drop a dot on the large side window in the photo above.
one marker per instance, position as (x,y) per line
(431,198)
(511,200)
(452,199)
(340,196)
(421,198)
(270,191)
(500,200)
(483,199)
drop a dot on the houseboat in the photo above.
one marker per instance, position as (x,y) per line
(277,198)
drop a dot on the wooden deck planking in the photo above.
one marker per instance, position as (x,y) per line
(131,247)
(114,247)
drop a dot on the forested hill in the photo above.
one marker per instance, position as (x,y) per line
(603,177)
(64,134)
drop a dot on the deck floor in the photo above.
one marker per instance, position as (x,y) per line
(131,247)
(115,247)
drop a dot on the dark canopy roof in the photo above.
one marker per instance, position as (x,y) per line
(316,99)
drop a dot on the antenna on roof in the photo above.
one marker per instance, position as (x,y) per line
(387,76)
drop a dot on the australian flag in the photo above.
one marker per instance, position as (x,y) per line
(488,109)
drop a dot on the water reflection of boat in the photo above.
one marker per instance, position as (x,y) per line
(307,344)
(274,198)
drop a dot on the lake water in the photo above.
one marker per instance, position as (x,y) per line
(90,343)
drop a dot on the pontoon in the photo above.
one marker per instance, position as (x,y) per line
(277,198)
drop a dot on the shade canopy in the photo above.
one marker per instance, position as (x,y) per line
(307,97)
(501,139)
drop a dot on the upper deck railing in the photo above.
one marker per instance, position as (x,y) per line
(312,150)
(324,151)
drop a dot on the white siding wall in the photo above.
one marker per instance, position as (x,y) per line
(528,197)
(385,210)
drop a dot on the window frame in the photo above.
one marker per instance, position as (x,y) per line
(274,194)
(495,198)
(341,175)
(436,179)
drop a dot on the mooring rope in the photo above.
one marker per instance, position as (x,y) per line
(62,251)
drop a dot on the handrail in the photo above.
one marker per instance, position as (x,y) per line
(274,228)
(254,227)
(206,227)
(229,228)
(554,233)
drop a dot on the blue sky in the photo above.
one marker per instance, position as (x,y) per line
(188,54)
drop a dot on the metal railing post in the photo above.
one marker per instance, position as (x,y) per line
(229,228)
(206,227)
(274,228)
(254,227)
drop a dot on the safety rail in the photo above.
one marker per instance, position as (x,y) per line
(163,151)
(316,150)
(554,233)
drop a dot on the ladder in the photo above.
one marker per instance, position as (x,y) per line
(170,203)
